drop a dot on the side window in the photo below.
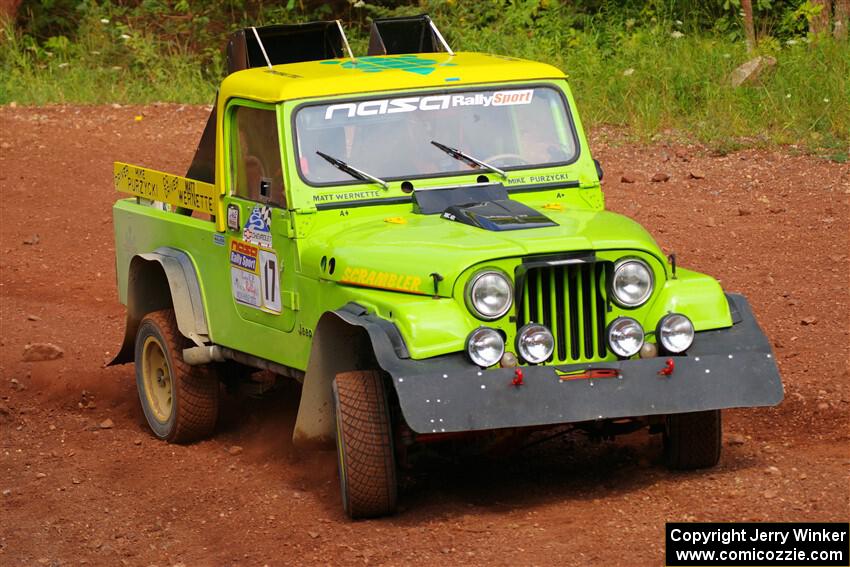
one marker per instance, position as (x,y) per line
(255,159)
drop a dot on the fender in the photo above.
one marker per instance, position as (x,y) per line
(157,280)
(698,295)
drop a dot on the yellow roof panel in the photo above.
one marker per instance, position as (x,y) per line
(380,73)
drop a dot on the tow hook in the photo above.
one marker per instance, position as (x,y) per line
(668,369)
(517,381)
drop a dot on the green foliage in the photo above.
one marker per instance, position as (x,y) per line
(43,19)
(656,67)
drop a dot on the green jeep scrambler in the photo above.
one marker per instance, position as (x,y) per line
(419,238)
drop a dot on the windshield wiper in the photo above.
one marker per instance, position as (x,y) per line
(353,171)
(468,159)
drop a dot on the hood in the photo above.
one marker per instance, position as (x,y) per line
(402,253)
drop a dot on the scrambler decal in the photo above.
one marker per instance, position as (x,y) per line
(258,227)
(382,280)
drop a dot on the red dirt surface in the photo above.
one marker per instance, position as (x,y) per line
(78,489)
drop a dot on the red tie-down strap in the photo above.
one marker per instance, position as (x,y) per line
(588,374)
(668,369)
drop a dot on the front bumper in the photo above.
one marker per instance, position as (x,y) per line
(725,368)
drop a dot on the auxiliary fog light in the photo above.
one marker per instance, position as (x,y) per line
(535,343)
(649,350)
(485,346)
(675,332)
(625,337)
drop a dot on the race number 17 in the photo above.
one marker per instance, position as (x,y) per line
(270,274)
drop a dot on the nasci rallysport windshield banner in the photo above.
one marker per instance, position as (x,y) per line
(426,103)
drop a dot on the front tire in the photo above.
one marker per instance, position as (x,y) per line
(693,440)
(366,459)
(180,402)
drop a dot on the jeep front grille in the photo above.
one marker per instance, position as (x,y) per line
(570,300)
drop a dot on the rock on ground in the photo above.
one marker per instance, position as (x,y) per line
(38,352)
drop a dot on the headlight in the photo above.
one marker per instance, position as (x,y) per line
(535,343)
(625,336)
(489,295)
(485,346)
(631,284)
(675,332)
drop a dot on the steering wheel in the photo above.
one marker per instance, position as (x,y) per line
(516,157)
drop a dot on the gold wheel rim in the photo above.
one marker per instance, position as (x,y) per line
(159,385)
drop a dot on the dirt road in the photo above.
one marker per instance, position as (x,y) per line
(83,482)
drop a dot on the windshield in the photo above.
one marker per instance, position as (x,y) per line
(390,138)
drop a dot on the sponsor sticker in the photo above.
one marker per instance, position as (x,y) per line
(233,217)
(245,280)
(243,255)
(410,63)
(258,227)
(246,286)
(218,239)
(255,276)
(426,103)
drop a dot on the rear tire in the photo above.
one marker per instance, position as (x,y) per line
(693,440)
(180,401)
(366,459)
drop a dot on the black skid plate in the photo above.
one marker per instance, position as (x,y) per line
(725,368)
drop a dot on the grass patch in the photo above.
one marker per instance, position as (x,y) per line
(654,79)
(101,67)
